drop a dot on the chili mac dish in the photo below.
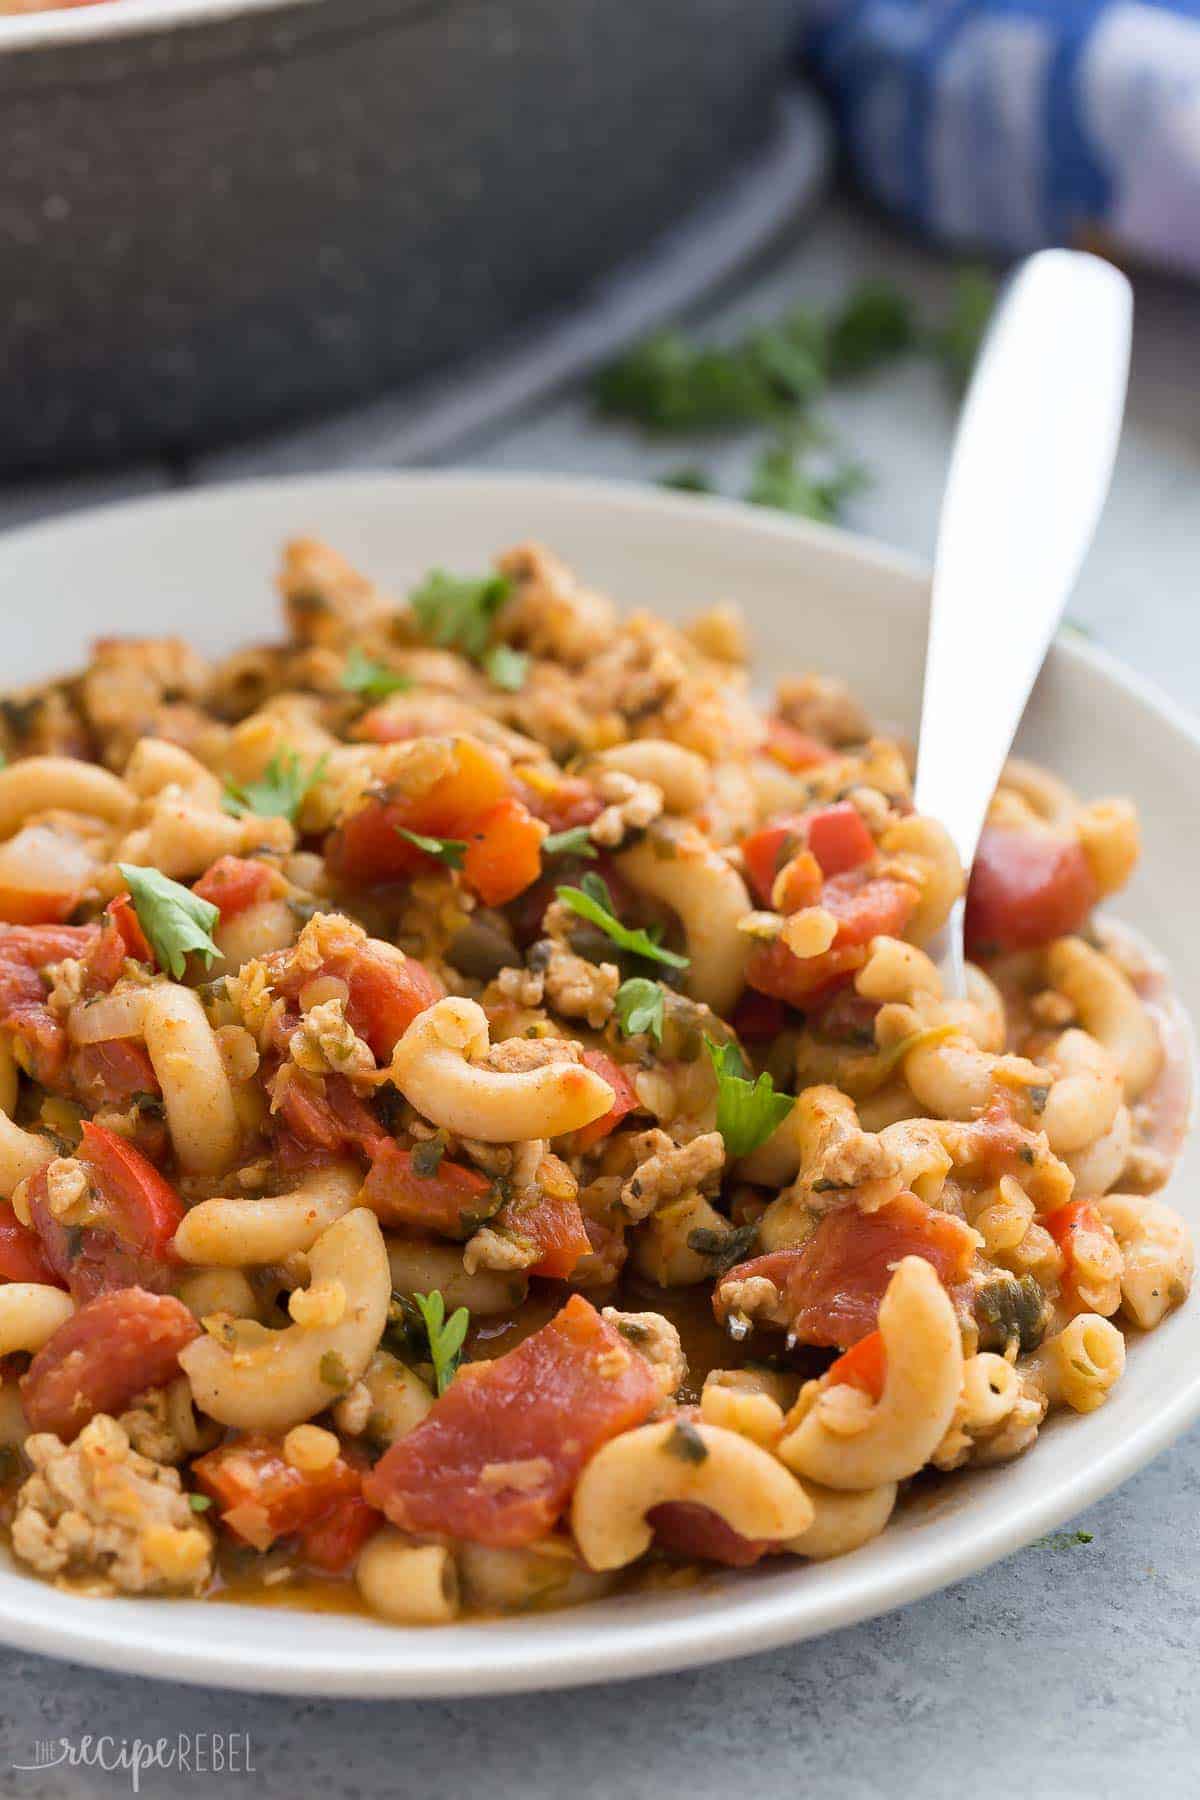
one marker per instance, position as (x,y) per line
(479,1124)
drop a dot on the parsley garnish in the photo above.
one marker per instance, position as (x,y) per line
(506,668)
(668,384)
(688,480)
(874,325)
(333,1371)
(639,1007)
(374,680)
(747,1111)
(723,1249)
(175,920)
(956,343)
(450,851)
(199,1503)
(456,611)
(1061,1540)
(780,480)
(592,901)
(446,1335)
(280,791)
(574,842)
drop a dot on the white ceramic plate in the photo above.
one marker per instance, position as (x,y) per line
(202,565)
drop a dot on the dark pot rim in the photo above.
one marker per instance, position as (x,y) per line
(114,20)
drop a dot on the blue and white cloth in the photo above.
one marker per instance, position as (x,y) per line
(1018,123)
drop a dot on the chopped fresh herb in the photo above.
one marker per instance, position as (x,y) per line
(389,1106)
(374,680)
(747,1111)
(333,1371)
(506,668)
(450,851)
(688,480)
(456,611)
(1011,1310)
(199,1502)
(668,384)
(176,922)
(446,1335)
(1062,1540)
(640,1007)
(150,1106)
(592,901)
(956,343)
(874,325)
(685,1442)
(280,791)
(723,1249)
(3,760)
(574,842)
(780,480)
(426,1158)
(1038,1097)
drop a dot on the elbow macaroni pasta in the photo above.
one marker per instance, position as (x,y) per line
(514,1136)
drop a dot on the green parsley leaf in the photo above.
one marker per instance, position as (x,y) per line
(780,480)
(747,1111)
(506,668)
(199,1503)
(956,343)
(592,901)
(574,842)
(456,611)
(640,1007)
(688,480)
(446,1335)
(450,851)
(874,325)
(279,794)
(670,385)
(175,920)
(374,680)
(1062,1540)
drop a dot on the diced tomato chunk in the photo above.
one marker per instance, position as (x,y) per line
(367,849)
(496,1458)
(114,1347)
(25,950)
(260,1495)
(1083,1237)
(555,1224)
(123,914)
(863,1366)
(21,1255)
(793,748)
(758,1017)
(128,1240)
(452,1199)
(332,1542)
(1026,888)
(864,907)
(111,1072)
(571,801)
(326,1114)
(839,839)
(830,1287)
(686,1529)
(233,883)
(766,850)
(625,1099)
(503,855)
(386,989)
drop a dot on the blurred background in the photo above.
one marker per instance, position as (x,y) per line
(739,245)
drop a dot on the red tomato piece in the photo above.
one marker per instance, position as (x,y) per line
(570,802)
(40,1037)
(114,1347)
(386,989)
(625,1099)
(260,1495)
(766,851)
(686,1529)
(123,914)
(1026,888)
(233,883)
(332,1543)
(128,1241)
(793,748)
(324,1113)
(863,1366)
(497,1457)
(839,839)
(757,1018)
(367,848)
(556,1226)
(21,1255)
(453,1200)
(1071,1227)
(864,907)
(830,1286)
(110,1073)
(504,852)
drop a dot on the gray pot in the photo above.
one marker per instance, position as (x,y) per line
(216,217)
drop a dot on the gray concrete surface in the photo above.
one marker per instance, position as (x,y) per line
(1070,1668)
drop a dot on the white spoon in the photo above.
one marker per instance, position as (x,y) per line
(1031,467)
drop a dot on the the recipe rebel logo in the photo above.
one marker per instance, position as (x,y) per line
(226,1754)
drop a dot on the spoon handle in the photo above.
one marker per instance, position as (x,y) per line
(1031,467)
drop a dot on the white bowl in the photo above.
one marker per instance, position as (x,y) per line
(202,564)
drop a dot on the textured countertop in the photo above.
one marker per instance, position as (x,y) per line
(1070,1668)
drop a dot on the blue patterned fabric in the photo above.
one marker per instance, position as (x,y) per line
(1018,123)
